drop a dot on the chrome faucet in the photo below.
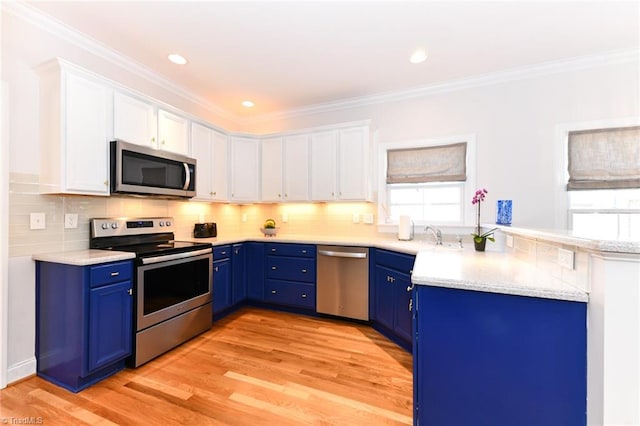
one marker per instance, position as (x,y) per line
(437,234)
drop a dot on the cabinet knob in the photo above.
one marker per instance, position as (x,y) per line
(304,271)
(273,292)
(304,252)
(223,253)
(304,296)
(273,268)
(130,291)
(273,250)
(215,269)
(215,193)
(106,183)
(286,195)
(237,251)
(163,142)
(115,274)
(153,139)
(279,196)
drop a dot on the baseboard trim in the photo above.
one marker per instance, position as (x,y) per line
(21,370)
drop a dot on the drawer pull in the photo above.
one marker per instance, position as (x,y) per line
(223,253)
(390,279)
(304,271)
(115,274)
(130,291)
(304,252)
(273,250)
(409,288)
(273,292)
(304,296)
(273,268)
(215,269)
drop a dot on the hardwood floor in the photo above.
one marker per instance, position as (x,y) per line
(254,367)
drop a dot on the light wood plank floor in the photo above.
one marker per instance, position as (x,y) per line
(254,367)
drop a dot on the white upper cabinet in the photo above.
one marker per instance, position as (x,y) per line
(173,132)
(144,123)
(75,119)
(324,170)
(272,169)
(134,120)
(245,169)
(340,164)
(209,148)
(296,168)
(353,164)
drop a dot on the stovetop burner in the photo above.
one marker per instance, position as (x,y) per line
(142,236)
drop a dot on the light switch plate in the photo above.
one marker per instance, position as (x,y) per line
(356,218)
(285,218)
(509,241)
(566,258)
(37,221)
(71,220)
(367,218)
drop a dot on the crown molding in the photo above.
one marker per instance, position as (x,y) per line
(71,35)
(521,73)
(53,26)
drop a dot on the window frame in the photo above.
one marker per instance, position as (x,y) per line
(563,214)
(469,186)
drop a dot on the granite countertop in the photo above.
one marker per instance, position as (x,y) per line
(492,272)
(596,240)
(84,257)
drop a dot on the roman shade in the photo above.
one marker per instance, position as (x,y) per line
(442,163)
(604,158)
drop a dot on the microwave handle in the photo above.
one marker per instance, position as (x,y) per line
(187,174)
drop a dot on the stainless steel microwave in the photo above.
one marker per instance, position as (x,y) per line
(140,170)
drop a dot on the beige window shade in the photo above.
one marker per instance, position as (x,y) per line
(604,158)
(443,163)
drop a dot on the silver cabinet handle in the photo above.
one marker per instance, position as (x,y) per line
(390,279)
(273,292)
(304,252)
(304,271)
(304,296)
(130,291)
(410,305)
(215,269)
(223,253)
(411,287)
(115,274)
(273,268)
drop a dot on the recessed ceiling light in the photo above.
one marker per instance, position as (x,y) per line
(177,59)
(420,55)
(247,104)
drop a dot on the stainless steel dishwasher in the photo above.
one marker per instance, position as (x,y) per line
(343,281)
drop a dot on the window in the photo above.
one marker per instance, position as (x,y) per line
(425,180)
(604,182)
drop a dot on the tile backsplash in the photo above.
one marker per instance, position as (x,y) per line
(232,219)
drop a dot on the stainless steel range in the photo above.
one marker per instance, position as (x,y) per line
(173,282)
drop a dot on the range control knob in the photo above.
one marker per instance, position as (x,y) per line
(161,223)
(114,225)
(105,226)
(168,223)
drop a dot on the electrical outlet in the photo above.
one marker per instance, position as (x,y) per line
(244,217)
(367,218)
(356,218)
(37,221)
(285,218)
(566,258)
(71,220)
(509,241)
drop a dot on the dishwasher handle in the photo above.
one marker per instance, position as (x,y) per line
(352,255)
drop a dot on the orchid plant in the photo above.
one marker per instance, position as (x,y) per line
(478,236)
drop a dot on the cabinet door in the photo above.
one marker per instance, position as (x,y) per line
(272,169)
(221,285)
(245,169)
(220,167)
(134,120)
(86,159)
(296,168)
(201,150)
(238,281)
(173,132)
(110,327)
(353,164)
(402,321)
(384,292)
(324,155)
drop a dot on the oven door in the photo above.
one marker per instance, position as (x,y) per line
(170,285)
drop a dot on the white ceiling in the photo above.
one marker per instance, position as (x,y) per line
(293,54)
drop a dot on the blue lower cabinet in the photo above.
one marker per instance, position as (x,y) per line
(84,320)
(238,278)
(289,293)
(254,258)
(221,285)
(290,275)
(495,359)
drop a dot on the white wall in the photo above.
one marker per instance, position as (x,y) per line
(514,123)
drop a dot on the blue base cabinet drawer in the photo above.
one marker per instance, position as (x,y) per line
(291,268)
(289,293)
(292,250)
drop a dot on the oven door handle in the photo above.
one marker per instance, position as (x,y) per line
(167,257)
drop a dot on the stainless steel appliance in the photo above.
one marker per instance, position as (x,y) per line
(342,287)
(137,169)
(173,282)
